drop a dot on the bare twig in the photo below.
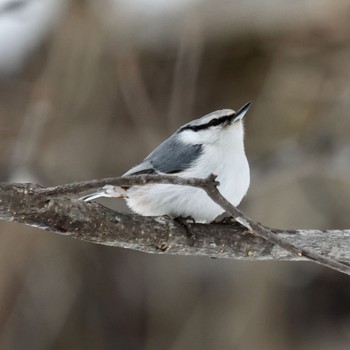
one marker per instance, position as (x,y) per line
(268,234)
(76,188)
(50,209)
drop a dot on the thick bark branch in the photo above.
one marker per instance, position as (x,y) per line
(52,209)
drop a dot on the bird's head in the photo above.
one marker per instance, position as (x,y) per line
(214,126)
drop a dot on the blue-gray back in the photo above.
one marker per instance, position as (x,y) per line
(170,157)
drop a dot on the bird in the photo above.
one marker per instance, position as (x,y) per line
(212,144)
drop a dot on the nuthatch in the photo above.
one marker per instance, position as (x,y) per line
(213,144)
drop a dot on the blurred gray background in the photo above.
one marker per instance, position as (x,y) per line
(88,88)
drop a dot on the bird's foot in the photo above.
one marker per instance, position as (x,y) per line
(185,222)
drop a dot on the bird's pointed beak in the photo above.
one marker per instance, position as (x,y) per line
(241,113)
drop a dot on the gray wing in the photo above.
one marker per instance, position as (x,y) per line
(170,157)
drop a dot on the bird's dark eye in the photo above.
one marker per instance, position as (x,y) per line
(214,122)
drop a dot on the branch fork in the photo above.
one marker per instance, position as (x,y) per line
(56,209)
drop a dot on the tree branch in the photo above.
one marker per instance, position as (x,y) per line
(54,209)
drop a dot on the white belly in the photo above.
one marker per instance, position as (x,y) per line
(176,200)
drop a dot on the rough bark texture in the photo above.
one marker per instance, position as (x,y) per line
(30,204)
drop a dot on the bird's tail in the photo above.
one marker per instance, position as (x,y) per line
(107,191)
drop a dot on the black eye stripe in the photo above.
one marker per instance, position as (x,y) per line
(213,122)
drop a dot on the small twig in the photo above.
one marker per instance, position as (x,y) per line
(76,188)
(270,236)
